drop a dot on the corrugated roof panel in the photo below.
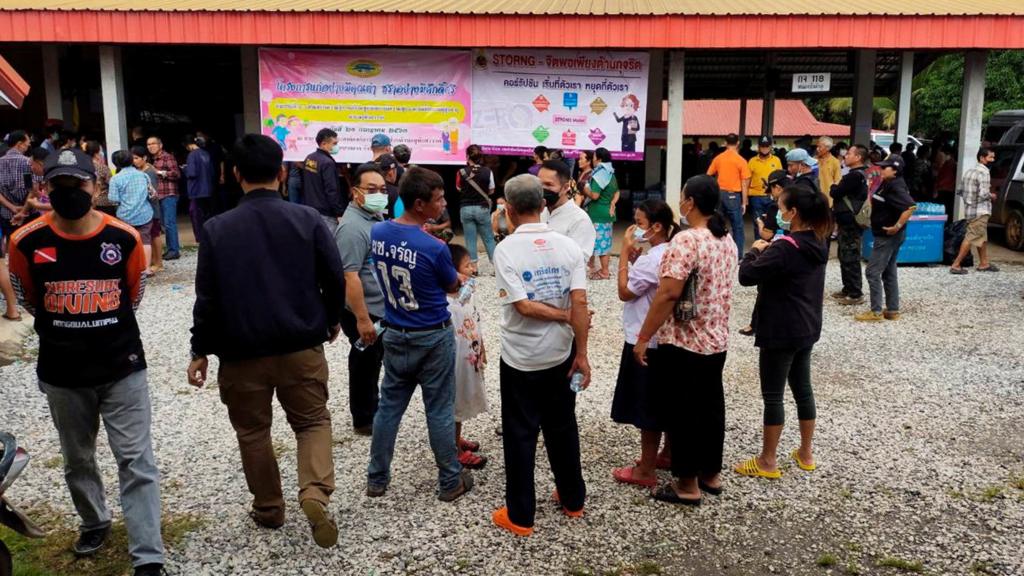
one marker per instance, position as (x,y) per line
(551,7)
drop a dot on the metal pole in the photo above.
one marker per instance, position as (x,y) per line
(674,133)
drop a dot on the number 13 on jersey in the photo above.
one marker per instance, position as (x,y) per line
(406,298)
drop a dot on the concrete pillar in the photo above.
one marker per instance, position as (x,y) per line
(905,96)
(250,89)
(768,100)
(674,132)
(863,96)
(742,132)
(971,105)
(51,82)
(655,89)
(115,124)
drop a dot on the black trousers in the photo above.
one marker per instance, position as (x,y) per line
(531,402)
(849,260)
(693,400)
(777,366)
(363,373)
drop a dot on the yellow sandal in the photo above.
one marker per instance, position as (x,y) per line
(750,468)
(808,468)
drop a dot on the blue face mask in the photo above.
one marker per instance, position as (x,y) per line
(335,149)
(639,235)
(783,224)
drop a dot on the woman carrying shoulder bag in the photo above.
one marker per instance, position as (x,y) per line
(690,316)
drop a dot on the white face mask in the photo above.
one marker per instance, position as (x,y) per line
(375,203)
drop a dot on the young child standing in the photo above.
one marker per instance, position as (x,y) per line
(470,358)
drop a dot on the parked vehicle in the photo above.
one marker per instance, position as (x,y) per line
(885,139)
(13,461)
(1002,122)
(1007,174)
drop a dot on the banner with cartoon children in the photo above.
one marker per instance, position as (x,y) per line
(420,98)
(568,99)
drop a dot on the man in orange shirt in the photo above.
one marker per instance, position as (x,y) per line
(733,176)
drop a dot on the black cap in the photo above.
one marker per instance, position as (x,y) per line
(69,162)
(765,141)
(893,161)
(780,177)
(387,162)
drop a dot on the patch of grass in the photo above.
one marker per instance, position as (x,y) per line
(901,564)
(54,462)
(853,569)
(982,569)
(280,447)
(182,392)
(827,559)
(462,564)
(1017,482)
(845,493)
(51,556)
(648,568)
(954,494)
(580,572)
(989,494)
(639,500)
(854,547)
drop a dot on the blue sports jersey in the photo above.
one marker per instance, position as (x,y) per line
(413,269)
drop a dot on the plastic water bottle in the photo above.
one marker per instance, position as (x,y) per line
(466,292)
(360,345)
(576,383)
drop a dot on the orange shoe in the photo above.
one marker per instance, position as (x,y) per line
(566,511)
(501,520)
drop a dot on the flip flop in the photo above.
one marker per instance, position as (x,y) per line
(748,331)
(750,468)
(668,494)
(14,319)
(709,489)
(661,463)
(625,476)
(806,467)
(989,268)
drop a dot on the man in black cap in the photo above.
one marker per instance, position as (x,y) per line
(389,168)
(81,273)
(761,167)
(891,207)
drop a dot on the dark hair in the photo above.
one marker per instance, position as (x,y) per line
(983,152)
(123,159)
(555,154)
(39,154)
(324,134)
(589,154)
(458,252)
(66,137)
(559,168)
(659,212)
(139,151)
(92,147)
(706,197)
(369,167)
(418,184)
(540,151)
(811,206)
(402,153)
(862,151)
(911,146)
(474,153)
(603,155)
(732,140)
(257,158)
(895,148)
(16,137)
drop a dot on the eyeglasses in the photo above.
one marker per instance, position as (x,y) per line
(373,190)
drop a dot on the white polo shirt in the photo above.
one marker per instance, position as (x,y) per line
(572,221)
(540,265)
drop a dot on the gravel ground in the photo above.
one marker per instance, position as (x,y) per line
(920,448)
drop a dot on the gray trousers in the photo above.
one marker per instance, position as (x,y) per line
(881,271)
(124,407)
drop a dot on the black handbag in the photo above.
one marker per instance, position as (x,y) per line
(687,307)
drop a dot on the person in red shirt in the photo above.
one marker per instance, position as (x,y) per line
(81,273)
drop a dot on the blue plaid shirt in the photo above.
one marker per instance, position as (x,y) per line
(13,167)
(129,188)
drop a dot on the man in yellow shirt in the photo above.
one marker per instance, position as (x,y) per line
(829,169)
(761,167)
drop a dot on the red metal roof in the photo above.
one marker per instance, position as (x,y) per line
(720,117)
(13,87)
(470,31)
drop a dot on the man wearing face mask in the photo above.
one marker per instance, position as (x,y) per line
(321,186)
(562,214)
(82,274)
(364,301)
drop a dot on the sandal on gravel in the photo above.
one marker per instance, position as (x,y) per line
(625,476)
(704,487)
(13,318)
(989,268)
(748,331)
(957,271)
(668,494)
(472,461)
(500,519)
(750,468)
(469,445)
(807,467)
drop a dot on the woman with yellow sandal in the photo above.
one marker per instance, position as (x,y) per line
(790,275)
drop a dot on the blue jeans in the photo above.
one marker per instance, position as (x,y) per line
(477,220)
(758,206)
(732,209)
(881,271)
(124,407)
(169,210)
(411,358)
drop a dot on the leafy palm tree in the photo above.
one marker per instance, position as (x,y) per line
(885,109)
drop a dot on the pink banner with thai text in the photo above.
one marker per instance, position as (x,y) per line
(421,98)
